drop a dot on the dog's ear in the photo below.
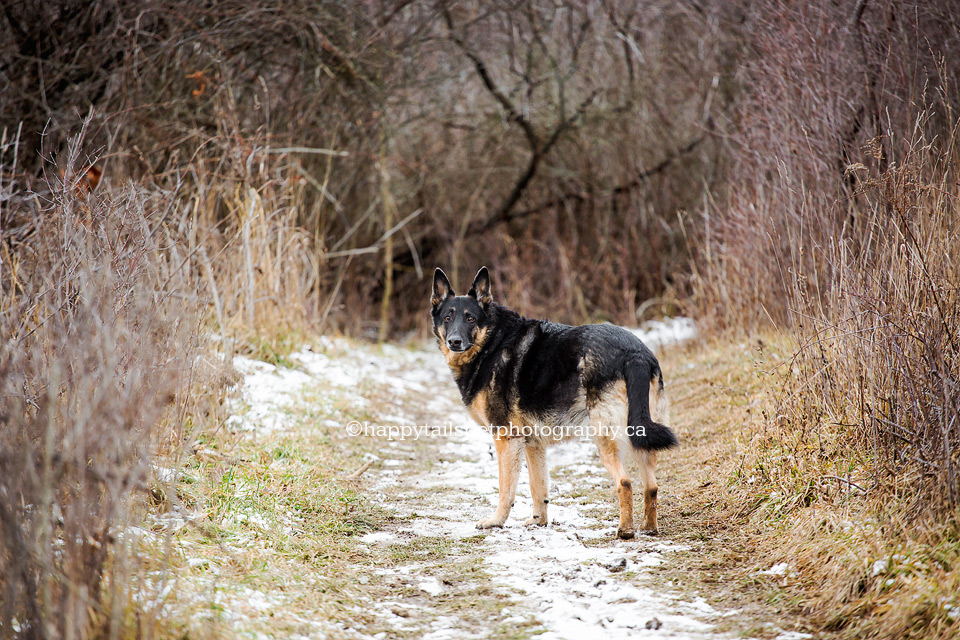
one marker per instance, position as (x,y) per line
(481,287)
(441,288)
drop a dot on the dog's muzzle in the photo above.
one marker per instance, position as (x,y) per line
(456,344)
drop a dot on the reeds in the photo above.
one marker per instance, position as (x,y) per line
(100,338)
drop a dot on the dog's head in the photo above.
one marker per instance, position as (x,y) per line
(461,323)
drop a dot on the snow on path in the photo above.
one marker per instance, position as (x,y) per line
(570,575)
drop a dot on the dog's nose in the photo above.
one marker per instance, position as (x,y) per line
(455,343)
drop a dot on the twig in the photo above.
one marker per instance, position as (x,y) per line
(317,150)
(359,472)
(248,259)
(852,484)
(373,248)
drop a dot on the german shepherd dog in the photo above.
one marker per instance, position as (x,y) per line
(533,383)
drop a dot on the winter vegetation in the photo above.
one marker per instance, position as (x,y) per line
(218,227)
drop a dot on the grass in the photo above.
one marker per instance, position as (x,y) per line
(858,567)
(273,530)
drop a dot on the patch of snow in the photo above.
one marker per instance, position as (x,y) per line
(164,474)
(378,537)
(431,585)
(779,569)
(793,635)
(255,599)
(268,392)
(659,333)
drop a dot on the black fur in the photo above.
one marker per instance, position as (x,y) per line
(542,367)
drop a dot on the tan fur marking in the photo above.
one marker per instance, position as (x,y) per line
(659,404)
(456,360)
(508,465)
(648,469)
(620,389)
(518,419)
(610,412)
(610,456)
(654,396)
(611,408)
(478,408)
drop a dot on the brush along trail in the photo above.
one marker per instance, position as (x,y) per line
(405,476)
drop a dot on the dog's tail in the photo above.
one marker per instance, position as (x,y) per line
(641,375)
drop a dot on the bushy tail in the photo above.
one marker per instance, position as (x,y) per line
(644,432)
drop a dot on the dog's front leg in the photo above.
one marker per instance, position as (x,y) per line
(536,453)
(508,464)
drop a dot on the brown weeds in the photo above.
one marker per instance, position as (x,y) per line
(99,338)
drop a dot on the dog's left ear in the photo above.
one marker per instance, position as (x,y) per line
(481,287)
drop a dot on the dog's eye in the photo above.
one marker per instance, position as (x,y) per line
(470,318)
(448,317)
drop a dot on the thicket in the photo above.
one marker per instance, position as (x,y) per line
(839,225)
(555,142)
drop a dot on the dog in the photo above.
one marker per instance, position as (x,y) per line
(534,383)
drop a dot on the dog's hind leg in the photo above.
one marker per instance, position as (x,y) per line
(659,410)
(610,456)
(508,464)
(611,413)
(648,467)
(536,454)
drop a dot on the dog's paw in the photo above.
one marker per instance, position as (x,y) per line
(625,534)
(535,522)
(489,523)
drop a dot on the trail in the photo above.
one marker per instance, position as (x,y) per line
(573,579)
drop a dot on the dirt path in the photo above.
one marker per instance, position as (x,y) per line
(426,571)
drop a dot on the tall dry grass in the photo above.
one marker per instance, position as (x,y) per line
(838,226)
(99,355)
(880,355)
(841,230)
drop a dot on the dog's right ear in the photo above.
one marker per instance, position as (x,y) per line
(441,288)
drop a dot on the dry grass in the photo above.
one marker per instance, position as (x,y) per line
(842,233)
(97,368)
(880,358)
(755,492)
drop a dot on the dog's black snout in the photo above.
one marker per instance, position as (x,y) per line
(455,343)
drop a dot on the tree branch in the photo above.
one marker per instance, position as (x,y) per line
(572,195)
(538,147)
(481,67)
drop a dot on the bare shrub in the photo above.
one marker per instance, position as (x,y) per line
(99,336)
(880,359)
(839,225)
(368,133)
(829,86)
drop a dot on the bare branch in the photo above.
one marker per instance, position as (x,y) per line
(513,114)
(572,195)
